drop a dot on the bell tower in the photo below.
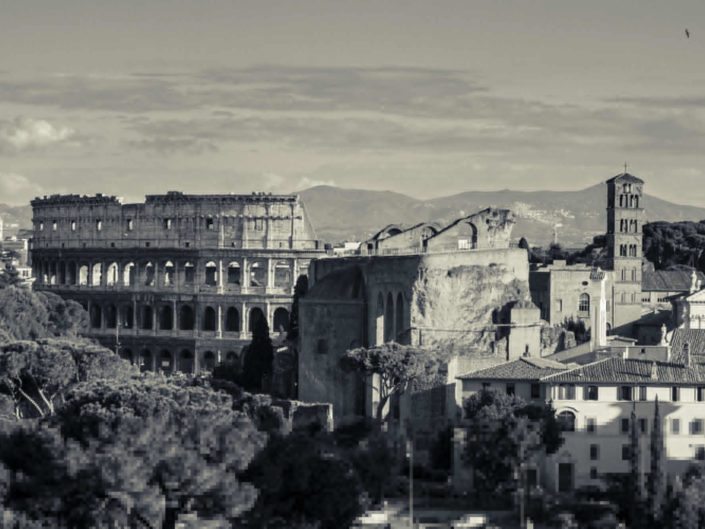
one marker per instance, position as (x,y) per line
(625,217)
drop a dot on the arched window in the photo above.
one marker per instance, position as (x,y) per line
(128,275)
(110,316)
(633,274)
(52,273)
(166,318)
(566,421)
(149,274)
(166,361)
(186,319)
(234,273)
(145,360)
(584,303)
(258,274)
(624,274)
(189,272)
(146,317)
(112,275)
(96,274)
(127,316)
(71,273)
(256,315)
(186,363)
(281,320)
(400,335)
(232,320)
(211,273)
(389,318)
(208,361)
(282,275)
(636,201)
(96,317)
(169,278)
(209,319)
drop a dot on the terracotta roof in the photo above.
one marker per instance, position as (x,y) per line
(625,177)
(522,369)
(669,280)
(695,338)
(631,371)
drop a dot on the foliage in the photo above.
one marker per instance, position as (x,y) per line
(675,243)
(400,368)
(442,449)
(577,327)
(257,365)
(505,432)
(300,290)
(9,277)
(656,483)
(303,480)
(27,315)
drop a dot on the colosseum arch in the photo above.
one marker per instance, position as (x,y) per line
(209,319)
(281,320)
(62,273)
(379,320)
(258,274)
(186,318)
(234,273)
(96,316)
(148,274)
(166,318)
(189,272)
(211,273)
(52,273)
(71,273)
(147,317)
(166,361)
(96,274)
(282,274)
(112,274)
(145,360)
(256,314)
(82,275)
(208,361)
(232,320)
(126,354)
(110,316)
(186,361)
(231,357)
(389,318)
(128,274)
(127,316)
(169,274)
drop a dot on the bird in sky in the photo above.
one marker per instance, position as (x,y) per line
(687,33)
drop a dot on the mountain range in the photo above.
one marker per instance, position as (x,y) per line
(339,214)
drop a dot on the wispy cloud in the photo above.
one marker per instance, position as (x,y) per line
(16,189)
(26,133)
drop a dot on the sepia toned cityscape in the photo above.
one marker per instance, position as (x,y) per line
(317,265)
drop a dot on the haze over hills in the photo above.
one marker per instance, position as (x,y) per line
(340,214)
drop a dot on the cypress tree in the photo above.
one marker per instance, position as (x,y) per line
(257,365)
(635,478)
(657,485)
(300,290)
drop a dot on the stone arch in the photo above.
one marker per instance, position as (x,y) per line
(148,274)
(169,277)
(62,273)
(189,272)
(400,335)
(52,273)
(209,319)
(231,357)
(96,316)
(232,320)
(147,317)
(470,231)
(96,274)
(208,361)
(166,318)
(126,354)
(145,360)
(256,314)
(211,273)
(186,361)
(379,320)
(166,361)
(389,318)
(281,320)
(186,318)
(110,316)
(234,273)
(128,274)
(71,273)
(258,274)
(127,316)
(566,421)
(282,274)
(112,274)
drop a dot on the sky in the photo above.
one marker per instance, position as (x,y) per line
(424,98)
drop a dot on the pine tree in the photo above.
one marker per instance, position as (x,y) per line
(657,484)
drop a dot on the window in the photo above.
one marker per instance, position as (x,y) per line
(584,303)
(642,392)
(642,425)
(510,388)
(209,223)
(696,426)
(625,393)
(624,425)
(594,452)
(98,224)
(73,225)
(624,274)
(41,226)
(700,393)
(54,226)
(591,393)
(626,451)
(633,274)
(535,391)
(675,426)
(130,224)
(559,305)
(566,392)
(167,224)
(593,473)
(675,393)
(566,421)
(259,224)
(590,424)
(700,453)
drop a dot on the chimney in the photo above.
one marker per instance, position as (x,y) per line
(654,371)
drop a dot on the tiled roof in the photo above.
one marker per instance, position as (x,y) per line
(522,369)
(669,280)
(625,177)
(633,371)
(695,338)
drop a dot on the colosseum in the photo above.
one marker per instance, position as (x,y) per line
(176,282)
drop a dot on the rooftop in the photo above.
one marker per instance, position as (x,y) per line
(669,280)
(522,369)
(695,338)
(625,177)
(631,371)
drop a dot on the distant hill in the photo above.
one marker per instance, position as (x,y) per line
(341,214)
(352,214)
(15,218)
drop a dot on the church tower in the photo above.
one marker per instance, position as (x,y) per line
(625,217)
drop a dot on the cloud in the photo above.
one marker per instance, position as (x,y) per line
(307,182)
(184,145)
(16,189)
(23,134)
(272,181)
